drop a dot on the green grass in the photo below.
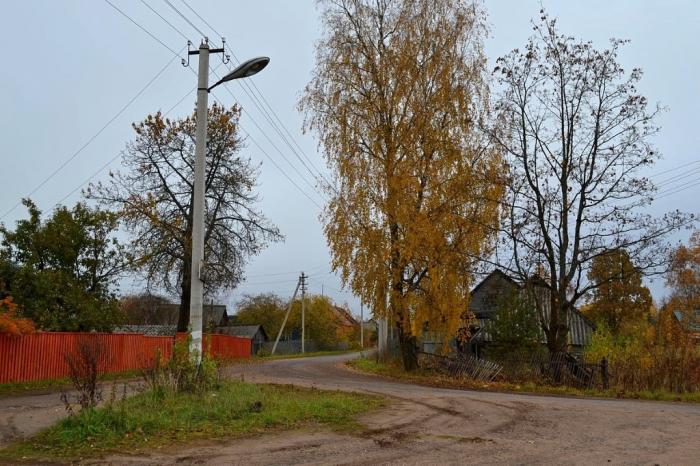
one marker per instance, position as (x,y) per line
(22,388)
(146,421)
(393,369)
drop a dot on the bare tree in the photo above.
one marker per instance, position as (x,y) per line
(576,133)
(155,196)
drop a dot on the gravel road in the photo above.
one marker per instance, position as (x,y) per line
(427,425)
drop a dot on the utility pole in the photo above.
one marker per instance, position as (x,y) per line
(286,316)
(303,303)
(197,269)
(197,266)
(362,327)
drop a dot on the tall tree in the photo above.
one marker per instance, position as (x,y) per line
(65,268)
(576,133)
(620,299)
(684,275)
(396,99)
(154,196)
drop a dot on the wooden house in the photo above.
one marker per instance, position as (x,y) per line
(487,296)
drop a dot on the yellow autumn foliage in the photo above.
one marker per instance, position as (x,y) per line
(397,99)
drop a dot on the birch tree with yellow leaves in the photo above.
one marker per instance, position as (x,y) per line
(396,99)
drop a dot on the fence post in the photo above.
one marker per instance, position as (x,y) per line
(604,373)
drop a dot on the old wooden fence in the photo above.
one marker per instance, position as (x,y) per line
(464,364)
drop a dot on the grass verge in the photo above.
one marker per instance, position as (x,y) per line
(435,379)
(22,388)
(147,421)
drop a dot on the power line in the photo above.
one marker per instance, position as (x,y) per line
(676,168)
(248,114)
(94,136)
(201,19)
(246,133)
(284,173)
(245,86)
(271,142)
(291,272)
(165,20)
(185,18)
(678,177)
(144,29)
(110,161)
(303,158)
(677,189)
(269,282)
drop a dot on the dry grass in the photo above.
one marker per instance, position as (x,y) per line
(393,369)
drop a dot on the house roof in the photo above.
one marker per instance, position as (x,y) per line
(148,329)
(686,318)
(345,317)
(245,331)
(495,273)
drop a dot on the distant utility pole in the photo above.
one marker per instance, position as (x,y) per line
(286,316)
(302,280)
(362,327)
(197,270)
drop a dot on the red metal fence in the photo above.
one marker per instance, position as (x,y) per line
(227,347)
(41,356)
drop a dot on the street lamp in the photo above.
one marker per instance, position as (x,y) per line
(244,70)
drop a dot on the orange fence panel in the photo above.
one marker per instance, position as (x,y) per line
(228,347)
(224,346)
(42,355)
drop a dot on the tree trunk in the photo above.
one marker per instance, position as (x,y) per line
(183,321)
(409,350)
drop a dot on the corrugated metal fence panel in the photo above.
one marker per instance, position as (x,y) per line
(41,356)
(222,346)
(228,347)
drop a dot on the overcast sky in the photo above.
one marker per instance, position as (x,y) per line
(72,65)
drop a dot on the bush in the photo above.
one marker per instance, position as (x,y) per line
(650,357)
(9,322)
(182,373)
(515,327)
(87,364)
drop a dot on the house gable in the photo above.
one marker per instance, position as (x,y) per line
(486,296)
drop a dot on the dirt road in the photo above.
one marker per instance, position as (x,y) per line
(437,426)
(24,415)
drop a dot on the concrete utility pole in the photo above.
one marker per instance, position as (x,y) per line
(197,285)
(197,270)
(362,327)
(286,316)
(303,304)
